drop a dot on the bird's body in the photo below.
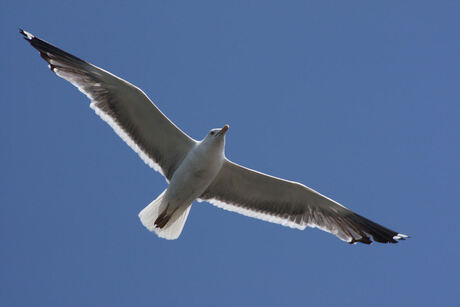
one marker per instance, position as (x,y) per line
(196,172)
(199,170)
(193,176)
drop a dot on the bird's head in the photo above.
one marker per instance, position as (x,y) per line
(217,134)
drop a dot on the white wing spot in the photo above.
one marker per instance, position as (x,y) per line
(29,36)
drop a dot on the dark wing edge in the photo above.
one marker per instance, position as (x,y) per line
(291,204)
(123,106)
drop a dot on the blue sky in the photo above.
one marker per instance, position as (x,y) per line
(359,100)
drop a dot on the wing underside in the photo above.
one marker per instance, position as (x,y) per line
(126,108)
(291,204)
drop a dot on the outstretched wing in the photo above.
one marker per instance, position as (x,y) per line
(126,108)
(292,204)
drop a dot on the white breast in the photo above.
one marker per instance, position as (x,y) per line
(195,174)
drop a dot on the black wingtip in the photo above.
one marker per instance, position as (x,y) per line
(27,36)
(48,51)
(366,229)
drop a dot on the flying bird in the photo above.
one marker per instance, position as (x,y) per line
(199,170)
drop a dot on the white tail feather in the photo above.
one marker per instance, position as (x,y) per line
(173,228)
(149,214)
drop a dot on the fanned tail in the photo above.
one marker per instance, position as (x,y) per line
(155,218)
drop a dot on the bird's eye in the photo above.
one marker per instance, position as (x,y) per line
(212,132)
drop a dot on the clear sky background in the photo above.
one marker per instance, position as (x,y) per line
(357,99)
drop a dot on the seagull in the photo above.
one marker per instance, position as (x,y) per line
(199,170)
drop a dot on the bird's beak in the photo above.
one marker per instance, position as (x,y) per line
(223,130)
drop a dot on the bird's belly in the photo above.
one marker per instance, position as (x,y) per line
(190,181)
